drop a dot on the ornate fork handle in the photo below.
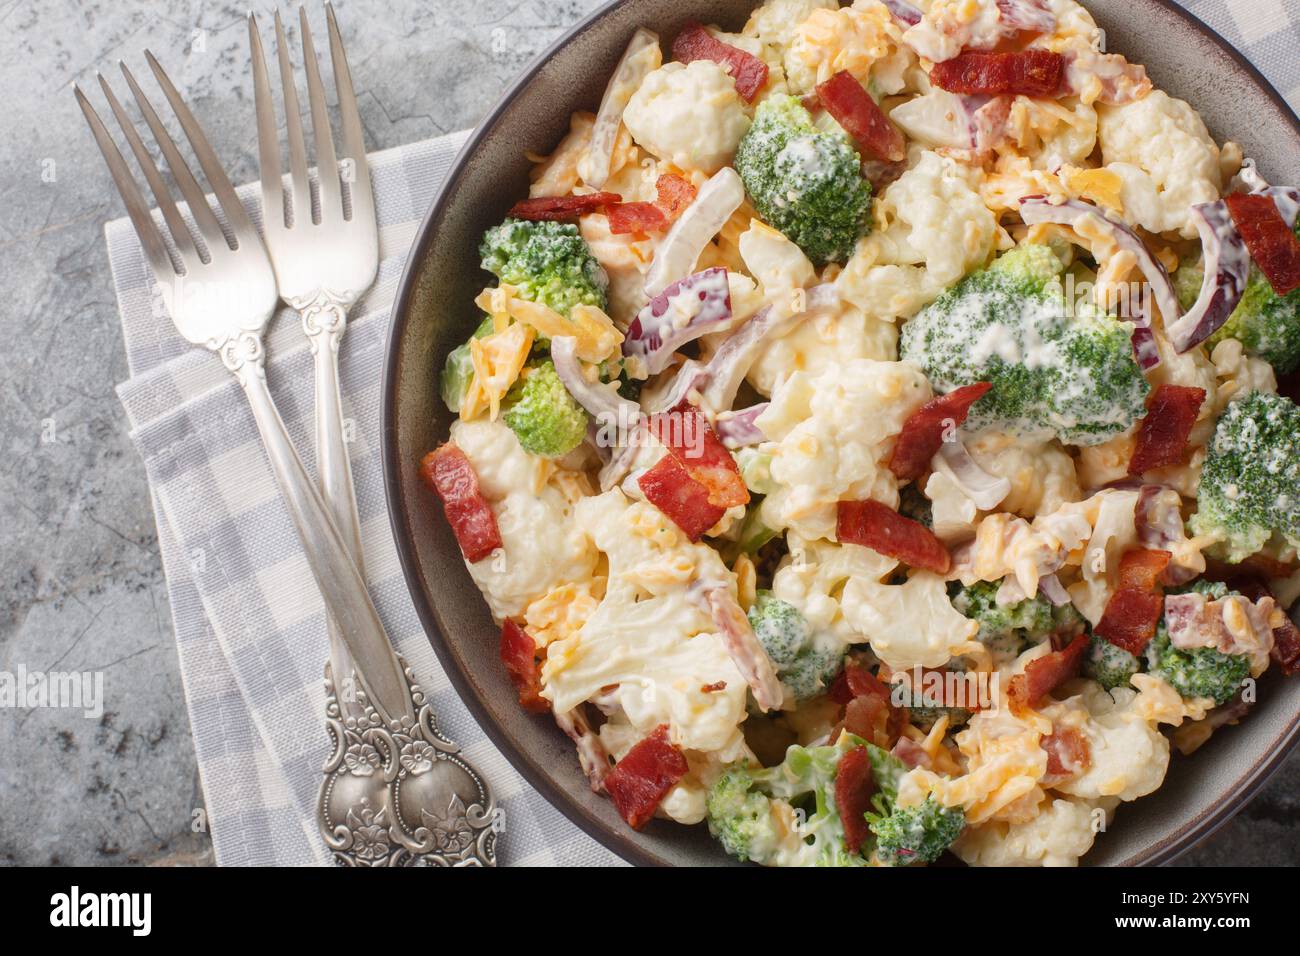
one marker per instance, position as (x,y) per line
(398,793)
(341,585)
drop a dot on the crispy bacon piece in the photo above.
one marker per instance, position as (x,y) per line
(696,43)
(1025,72)
(862,118)
(1286,646)
(876,526)
(1162,436)
(644,776)
(1272,244)
(669,488)
(1068,753)
(912,754)
(674,195)
(853,790)
(561,208)
(449,474)
(1134,610)
(924,430)
(1286,637)
(696,447)
(869,712)
(519,654)
(629,217)
(1044,675)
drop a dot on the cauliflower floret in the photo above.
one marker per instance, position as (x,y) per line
(778,264)
(689,115)
(862,39)
(775,22)
(525,493)
(1128,755)
(1237,374)
(838,590)
(908,625)
(813,579)
(1052,134)
(949,26)
(826,337)
(952,513)
(1062,832)
(1166,158)
(1041,472)
(932,229)
(648,638)
(830,436)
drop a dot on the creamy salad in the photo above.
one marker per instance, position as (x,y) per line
(876,439)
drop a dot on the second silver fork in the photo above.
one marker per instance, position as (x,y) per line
(325,255)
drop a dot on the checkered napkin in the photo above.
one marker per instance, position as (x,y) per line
(249,623)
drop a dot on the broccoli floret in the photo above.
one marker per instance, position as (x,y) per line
(458,369)
(805,182)
(916,834)
(543,415)
(548,262)
(924,715)
(1007,629)
(1250,482)
(1197,671)
(784,815)
(1058,368)
(1214,590)
(805,661)
(1108,665)
(1266,323)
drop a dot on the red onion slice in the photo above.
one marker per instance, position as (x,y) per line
(1050,587)
(600,400)
(1031,15)
(703,219)
(637,62)
(985,490)
(743,646)
(1227,270)
(1034,210)
(684,311)
(1287,199)
(737,429)
(904,12)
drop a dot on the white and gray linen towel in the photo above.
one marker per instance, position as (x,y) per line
(249,623)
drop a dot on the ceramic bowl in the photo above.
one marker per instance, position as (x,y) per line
(434,312)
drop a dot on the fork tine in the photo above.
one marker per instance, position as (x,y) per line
(162,196)
(209,228)
(268,138)
(216,176)
(293,129)
(354,144)
(150,238)
(327,167)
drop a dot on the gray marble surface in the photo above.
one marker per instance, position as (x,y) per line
(82,586)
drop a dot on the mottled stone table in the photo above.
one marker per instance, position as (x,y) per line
(82,584)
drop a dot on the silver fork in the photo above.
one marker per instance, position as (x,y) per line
(324,259)
(219,287)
